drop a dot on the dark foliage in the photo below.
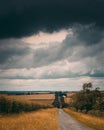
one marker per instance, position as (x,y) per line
(59,100)
(11,105)
(88,100)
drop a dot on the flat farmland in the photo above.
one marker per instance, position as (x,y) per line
(38,97)
(38,120)
(70,94)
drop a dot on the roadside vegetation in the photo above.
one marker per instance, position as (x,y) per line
(89,101)
(87,106)
(38,120)
(10,105)
(95,123)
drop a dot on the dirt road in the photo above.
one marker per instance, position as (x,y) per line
(68,123)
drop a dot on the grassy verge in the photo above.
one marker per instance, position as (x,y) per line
(92,122)
(40,120)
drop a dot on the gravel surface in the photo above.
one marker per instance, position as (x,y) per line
(68,123)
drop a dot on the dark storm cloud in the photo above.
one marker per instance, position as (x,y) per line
(89,34)
(20,18)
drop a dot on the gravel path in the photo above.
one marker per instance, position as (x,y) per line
(68,123)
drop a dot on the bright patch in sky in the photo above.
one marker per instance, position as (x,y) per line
(43,37)
(63,84)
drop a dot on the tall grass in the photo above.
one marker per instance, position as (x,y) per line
(13,105)
(39,120)
(92,122)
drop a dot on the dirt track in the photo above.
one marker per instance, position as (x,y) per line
(68,123)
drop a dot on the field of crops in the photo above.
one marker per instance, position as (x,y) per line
(40,120)
(28,112)
(38,98)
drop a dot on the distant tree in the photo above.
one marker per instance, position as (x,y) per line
(88,99)
(59,100)
(87,86)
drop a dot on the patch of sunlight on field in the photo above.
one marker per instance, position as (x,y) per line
(39,120)
(92,122)
(37,98)
(67,100)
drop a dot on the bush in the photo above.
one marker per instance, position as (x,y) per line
(88,100)
(11,105)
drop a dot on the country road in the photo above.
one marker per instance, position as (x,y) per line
(68,123)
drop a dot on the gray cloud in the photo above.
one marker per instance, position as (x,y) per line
(89,34)
(11,49)
(90,54)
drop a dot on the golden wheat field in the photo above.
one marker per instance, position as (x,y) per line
(67,100)
(38,98)
(93,122)
(39,120)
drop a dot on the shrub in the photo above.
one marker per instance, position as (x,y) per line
(12,105)
(88,100)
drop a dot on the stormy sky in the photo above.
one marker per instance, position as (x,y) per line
(51,45)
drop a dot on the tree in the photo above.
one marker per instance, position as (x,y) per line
(88,99)
(87,86)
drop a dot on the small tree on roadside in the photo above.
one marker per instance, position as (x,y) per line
(88,99)
(87,86)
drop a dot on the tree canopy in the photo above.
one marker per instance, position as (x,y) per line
(88,99)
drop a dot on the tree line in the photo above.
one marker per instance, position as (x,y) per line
(88,100)
(12,105)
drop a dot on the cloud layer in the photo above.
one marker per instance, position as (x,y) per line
(20,18)
(29,63)
(74,56)
(72,84)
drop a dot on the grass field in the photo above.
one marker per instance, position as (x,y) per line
(67,100)
(93,122)
(39,120)
(38,98)
(12,104)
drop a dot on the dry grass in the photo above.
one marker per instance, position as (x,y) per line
(43,101)
(10,104)
(38,98)
(67,100)
(92,122)
(40,120)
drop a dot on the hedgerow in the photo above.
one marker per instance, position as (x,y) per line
(13,105)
